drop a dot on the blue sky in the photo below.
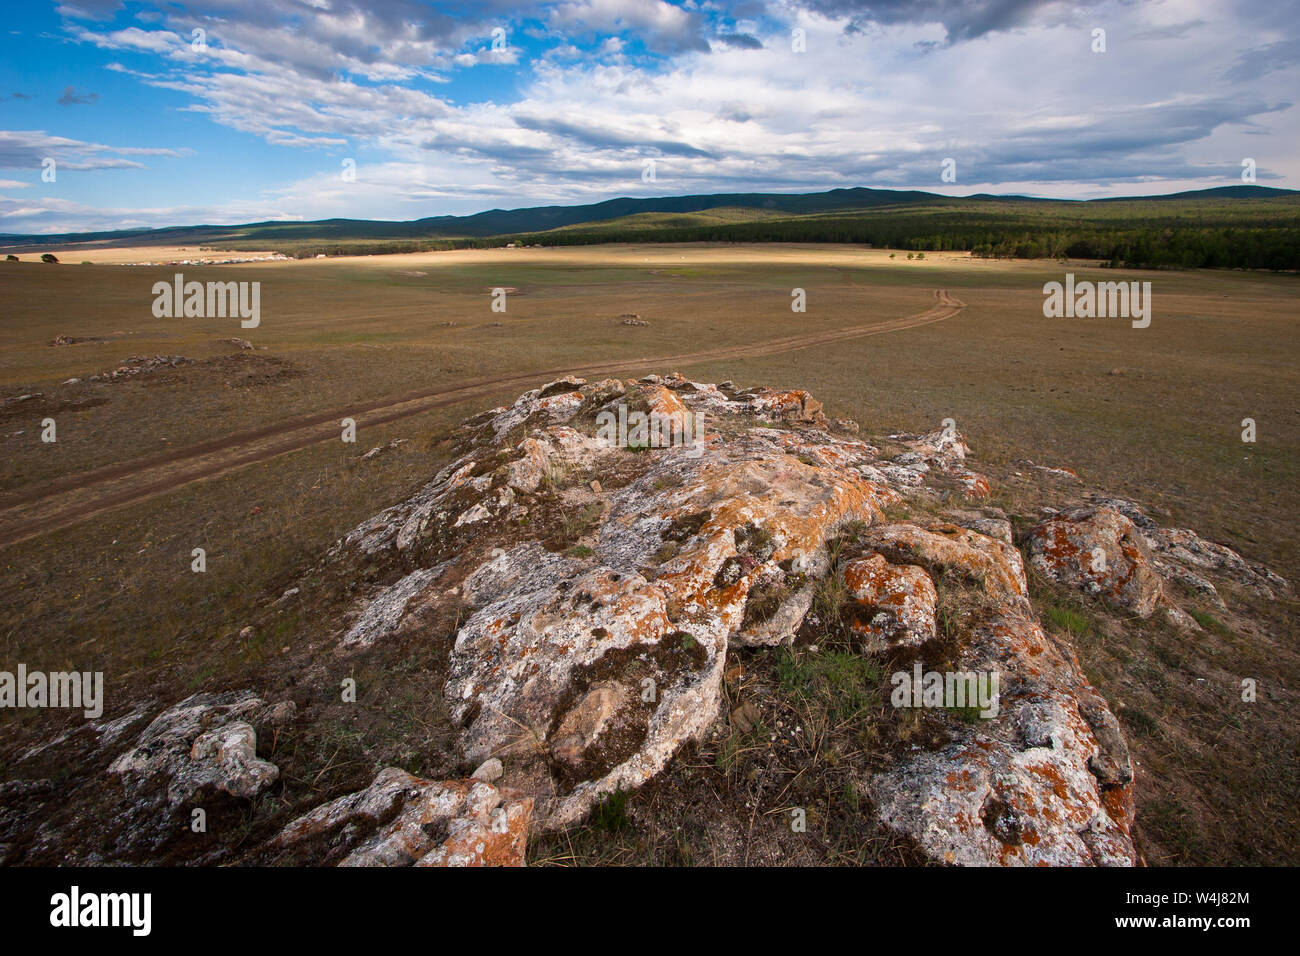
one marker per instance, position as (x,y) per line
(450,107)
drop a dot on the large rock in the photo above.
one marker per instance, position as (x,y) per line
(1113,550)
(573,674)
(401,820)
(1048,780)
(204,743)
(1101,552)
(991,563)
(896,602)
(587,674)
(594,617)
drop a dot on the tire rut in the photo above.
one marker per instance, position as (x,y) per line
(34,513)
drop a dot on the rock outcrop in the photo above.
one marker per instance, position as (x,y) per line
(596,615)
(401,820)
(602,549)
(1099,551)
(1113,550)
(206,742)
(1048,780)
(897,601)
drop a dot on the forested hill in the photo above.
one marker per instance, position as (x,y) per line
(1238,226)
(1210,229)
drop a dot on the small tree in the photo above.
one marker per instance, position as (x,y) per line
(11,258)
(49,257)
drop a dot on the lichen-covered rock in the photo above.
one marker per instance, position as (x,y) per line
(896,602)
(585,672)
(401,820)
(1101,552)
(1047,780)
(206,742)
(598,590)
(527,472)
(990,522)
(948,549)
(942,448)
(788,405)
(1112,549)
(384,611)
(1179,550)
(573,674)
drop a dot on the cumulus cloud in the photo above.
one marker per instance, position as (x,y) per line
(717,95)
(662,26)
(961,19)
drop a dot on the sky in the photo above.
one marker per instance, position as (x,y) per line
(117,115)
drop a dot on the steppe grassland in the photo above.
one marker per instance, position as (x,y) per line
(1154,413)
(1222,347)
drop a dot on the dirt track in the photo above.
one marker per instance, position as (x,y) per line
(66,501)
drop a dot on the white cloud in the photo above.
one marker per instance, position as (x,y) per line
(133,38)
(664,27)
(1030,109)
(29,149)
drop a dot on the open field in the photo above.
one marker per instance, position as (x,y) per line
(1246,226)
(409,346)
(98,253)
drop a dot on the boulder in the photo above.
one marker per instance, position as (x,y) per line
(895,602)
(401,820)
(993,564)
(579,671)
(1100,552)
(204,743)
(1047,780)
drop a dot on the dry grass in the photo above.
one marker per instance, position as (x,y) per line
(116,593)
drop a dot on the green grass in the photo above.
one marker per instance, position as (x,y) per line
(1209,622)
(1065,619)
(610,814)
(844,681)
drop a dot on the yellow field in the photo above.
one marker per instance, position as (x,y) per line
(116,256)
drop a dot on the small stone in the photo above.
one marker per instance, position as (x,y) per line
(489,770)
(744,717)
(282,714)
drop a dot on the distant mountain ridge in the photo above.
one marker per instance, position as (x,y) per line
(537,219)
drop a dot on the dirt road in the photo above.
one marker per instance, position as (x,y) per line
(75,498)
